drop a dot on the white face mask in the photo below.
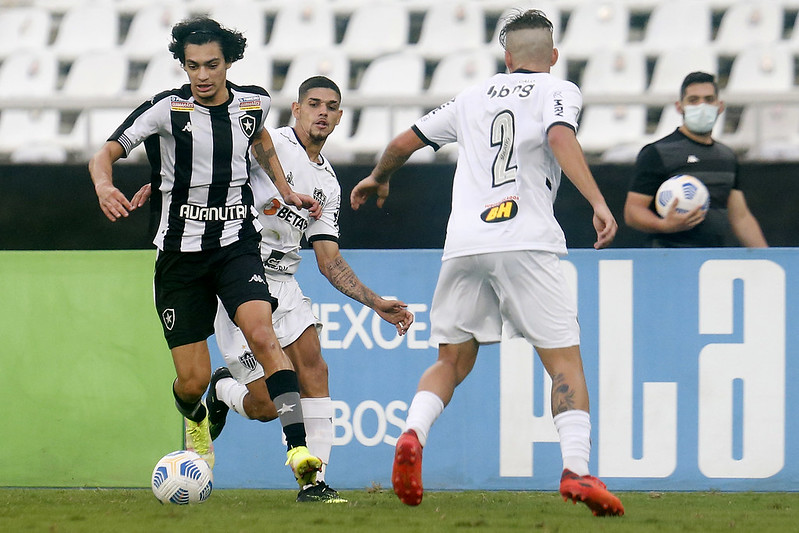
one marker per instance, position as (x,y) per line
(700,118)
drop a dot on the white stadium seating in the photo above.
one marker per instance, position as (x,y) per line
(396,59)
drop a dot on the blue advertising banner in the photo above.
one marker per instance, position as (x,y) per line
(690,359)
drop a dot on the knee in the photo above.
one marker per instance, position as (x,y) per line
(263,340)
(191,388)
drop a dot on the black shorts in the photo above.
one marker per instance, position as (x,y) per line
(187,285)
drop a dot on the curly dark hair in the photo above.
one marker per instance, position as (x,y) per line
(203,30)
(524,20)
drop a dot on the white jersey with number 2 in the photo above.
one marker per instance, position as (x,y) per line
(506,178)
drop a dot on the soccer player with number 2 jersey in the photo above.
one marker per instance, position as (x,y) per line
(501,270)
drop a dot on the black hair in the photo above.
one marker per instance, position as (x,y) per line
(524,20)
(203,30)
(698,77)
(315,82)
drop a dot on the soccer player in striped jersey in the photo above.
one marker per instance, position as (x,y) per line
(500,268)
(200,139)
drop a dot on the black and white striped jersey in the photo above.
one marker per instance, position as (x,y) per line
(199,158)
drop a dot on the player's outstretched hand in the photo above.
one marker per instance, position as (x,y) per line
(306,202)
(605,226)
(395,312)
(142,195)
(366,188)
(113,202)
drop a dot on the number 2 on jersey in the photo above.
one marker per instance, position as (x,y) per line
(503,130)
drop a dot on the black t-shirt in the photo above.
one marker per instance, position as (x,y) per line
(714,164)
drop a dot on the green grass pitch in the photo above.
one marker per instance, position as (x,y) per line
(377,509)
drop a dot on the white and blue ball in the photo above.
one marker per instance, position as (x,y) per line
(685,192)
(182,477)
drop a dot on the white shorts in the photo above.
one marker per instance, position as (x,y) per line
(524,291)
(291,318)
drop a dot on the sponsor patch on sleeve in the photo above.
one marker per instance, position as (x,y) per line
(249,103)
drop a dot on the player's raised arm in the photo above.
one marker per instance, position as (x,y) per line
(395,155)
(264,151)
(333,266)
(113,203)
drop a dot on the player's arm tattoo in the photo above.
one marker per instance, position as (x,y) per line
(264,158)
(562,395)
(344,279)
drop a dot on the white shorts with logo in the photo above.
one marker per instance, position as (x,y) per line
(291,318)
(524,291)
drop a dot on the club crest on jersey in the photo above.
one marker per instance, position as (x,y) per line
(505,210)
(178,104)
(248,361)
(319,196)
(169,318)
(247,123)
(250,103)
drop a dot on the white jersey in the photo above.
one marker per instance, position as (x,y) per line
(283,225)
(506,177)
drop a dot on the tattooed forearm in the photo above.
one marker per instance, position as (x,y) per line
(562,395)
(344,279)
(389,162)
(264,157)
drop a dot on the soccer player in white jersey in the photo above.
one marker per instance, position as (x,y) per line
(199,139)
(316,113)
(500,267)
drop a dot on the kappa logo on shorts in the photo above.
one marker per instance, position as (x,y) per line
(257,278)
(248,361)
(499,213)
(169,318)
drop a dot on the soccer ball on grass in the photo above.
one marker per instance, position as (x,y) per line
(684,192)
(182,477)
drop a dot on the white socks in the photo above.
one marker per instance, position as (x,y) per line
(232,393)
(574,428)
(424,410)
(318,419)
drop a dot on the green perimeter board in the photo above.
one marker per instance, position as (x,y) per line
(85,372)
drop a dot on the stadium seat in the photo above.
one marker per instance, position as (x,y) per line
(395,75)
(91,130)
(620,128)
(678,23)
(761,69)
(97,74)
(29,73)
(369,34)
(245,16)
(744,24)
(615,72)
(674,64)
(255,68)
(767,131)
(460,70)
(301,26)
(23,28)
(150,29)
(450,26)
(85,28)
(330,62)
(30,135)
(590,23)
(161,73)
